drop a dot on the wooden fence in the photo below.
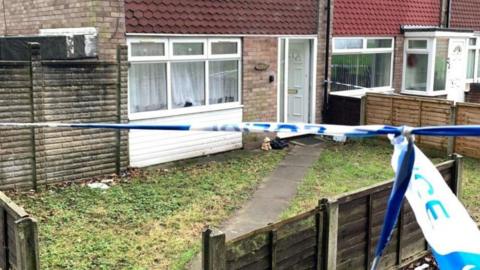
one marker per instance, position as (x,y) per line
(340,233)
(416,111)
(18,237)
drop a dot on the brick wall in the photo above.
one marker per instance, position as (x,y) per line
(398,64)
(28,17)
(473,95)
(63,91)
(259,95)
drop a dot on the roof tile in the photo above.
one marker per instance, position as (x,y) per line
(297,17)
(465,14)
(382,17)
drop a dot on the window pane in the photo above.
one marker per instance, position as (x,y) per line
(471,64)
(379,43)
(348,43)
(416,73)
(417,44)
(223,81)
(148,49)
(147,87)
(188,84)
(478,65)
(188,48)
(361,71)
(439,78)
(224,48)
(472,41)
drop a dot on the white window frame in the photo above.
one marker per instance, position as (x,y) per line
(169,58)
(217,40)
(174,41)
(365,50)
(431,52)
(476,47)
(147,40)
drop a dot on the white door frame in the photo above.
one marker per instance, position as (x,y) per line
(313,77)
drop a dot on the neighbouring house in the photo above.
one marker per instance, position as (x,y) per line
(414,47)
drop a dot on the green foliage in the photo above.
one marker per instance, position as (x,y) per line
(153,222)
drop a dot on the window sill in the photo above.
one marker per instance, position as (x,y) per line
(361,92)
(425,93)
(183,111)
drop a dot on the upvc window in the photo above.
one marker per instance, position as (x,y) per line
(174,74)
(362,63)
(473,60)
(425,66)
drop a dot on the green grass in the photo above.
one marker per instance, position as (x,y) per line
(346,167)
(152,222)
(471,187)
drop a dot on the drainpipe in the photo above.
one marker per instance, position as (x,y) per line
(327,66)
(449,11)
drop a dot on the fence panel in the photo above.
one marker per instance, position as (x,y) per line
(412,111)
(360,220)
(18,237)
(295,243)
(468,114)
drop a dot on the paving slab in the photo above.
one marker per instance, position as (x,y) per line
(272,196)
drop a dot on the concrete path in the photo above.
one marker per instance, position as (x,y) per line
(272,196)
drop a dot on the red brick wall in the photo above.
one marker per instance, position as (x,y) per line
(259,95)
(398,64)
(28,17)
(473,95)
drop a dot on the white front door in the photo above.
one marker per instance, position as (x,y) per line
(456,70)
(298,81)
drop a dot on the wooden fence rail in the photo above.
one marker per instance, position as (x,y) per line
(340,233)
(18,237)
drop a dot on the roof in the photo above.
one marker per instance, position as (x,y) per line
(383,17)
(297,17)
(464,14)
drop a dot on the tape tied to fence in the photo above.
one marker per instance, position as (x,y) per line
(448,228)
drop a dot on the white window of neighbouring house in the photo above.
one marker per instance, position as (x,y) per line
(425,66)
(473,60)
(362,63)
(179,75)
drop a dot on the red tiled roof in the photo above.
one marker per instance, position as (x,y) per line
(465,14)
(382,17)
(293,17)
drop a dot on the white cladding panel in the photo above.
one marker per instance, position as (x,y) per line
(149,147)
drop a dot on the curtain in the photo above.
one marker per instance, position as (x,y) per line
(188,84)
(147,87)
(223,81)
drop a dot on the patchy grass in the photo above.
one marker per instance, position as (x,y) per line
(346,167)
(471,187)
(152,222)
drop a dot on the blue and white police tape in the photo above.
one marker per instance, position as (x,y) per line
(451,233)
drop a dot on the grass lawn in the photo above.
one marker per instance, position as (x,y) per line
(343,168)
(154,221)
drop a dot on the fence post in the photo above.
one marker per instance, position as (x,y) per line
(331,233)
(118,133)
(458,175)
(273,249)
(27,244)
(363,110)
(214,250)
(35,65)
(452,140)
(319,223)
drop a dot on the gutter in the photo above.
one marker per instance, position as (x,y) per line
(327,66)
(449,13)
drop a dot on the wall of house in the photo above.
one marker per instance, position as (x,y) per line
(398,63)
(259,95)
(61,91)
(321,55)
(28,17)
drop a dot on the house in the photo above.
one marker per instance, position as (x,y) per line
(195,61)
(274,60)
(415,47)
